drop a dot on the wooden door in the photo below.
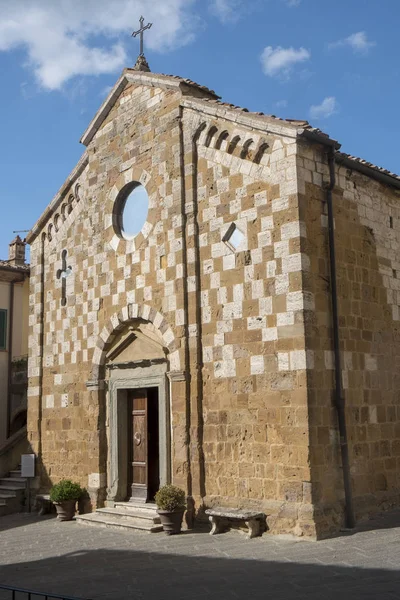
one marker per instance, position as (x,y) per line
(138,441)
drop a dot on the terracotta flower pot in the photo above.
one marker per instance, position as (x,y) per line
(171,521)
(65,510)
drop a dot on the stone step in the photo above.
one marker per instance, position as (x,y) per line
(12,492)
(16,473)
(136,507)
(4,494)
(9,504)
(130,516)
(16,481)
(100,520)
(15,489)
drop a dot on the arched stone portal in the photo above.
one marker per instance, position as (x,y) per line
(119,321)
(135,353)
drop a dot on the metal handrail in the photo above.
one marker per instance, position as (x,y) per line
(46,596)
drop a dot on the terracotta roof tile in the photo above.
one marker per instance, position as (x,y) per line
(298,123)
(315,130)
(5,264)
(370,165)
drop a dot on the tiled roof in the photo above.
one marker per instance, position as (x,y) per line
(203,88)
(312,133)
(368,165)
(5,264)
(357,163)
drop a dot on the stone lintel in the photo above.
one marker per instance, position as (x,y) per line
(137,363)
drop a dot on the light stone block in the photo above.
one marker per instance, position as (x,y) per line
(298,360)
(283,319)
(283,361)
(256,365)
(49,401)
(292,230)
(271,268)
(269,334)
(229,262)
(281,284)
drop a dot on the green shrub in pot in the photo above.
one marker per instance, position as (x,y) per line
(64,495)
(171,503)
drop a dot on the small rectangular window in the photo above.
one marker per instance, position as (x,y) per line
(3,329)
(234,238)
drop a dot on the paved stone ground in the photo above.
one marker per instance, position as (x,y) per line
(67,558)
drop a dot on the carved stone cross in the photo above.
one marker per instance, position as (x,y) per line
(62,274)
(140,31)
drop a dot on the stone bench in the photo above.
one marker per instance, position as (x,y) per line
(43,504)
(221,516)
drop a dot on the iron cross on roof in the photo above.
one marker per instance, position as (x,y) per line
(140,31)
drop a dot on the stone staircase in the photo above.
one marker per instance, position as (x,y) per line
(12,493)
(125,515)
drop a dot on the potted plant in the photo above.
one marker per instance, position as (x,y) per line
(171,505)
(64,496)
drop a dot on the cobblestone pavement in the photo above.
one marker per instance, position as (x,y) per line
(67,558)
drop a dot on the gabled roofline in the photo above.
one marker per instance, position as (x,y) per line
(202,99)
(184,86)
(353,162)
(58,198)
(290,128)
(369,169)
(241,116)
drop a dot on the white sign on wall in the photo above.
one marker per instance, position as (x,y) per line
(27,465)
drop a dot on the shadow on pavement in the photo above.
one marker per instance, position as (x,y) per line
(122,574)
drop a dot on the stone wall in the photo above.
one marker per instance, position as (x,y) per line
(231,270)
(231,317)
(108,275)
(254,378)
(367,240)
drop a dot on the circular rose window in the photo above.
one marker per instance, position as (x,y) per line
(131,208)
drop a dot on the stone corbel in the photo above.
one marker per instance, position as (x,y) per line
(178,375)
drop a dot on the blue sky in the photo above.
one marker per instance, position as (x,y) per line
(334,63)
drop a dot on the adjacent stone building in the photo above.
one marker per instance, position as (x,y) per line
(204,348)
(14,307)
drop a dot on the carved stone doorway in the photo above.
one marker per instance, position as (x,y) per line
(124,385)
(138,415)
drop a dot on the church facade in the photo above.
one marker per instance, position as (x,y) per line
(226,347)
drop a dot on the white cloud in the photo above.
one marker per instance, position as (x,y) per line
(280,60)
(281,104)
(357,41)
(58,36)
(230,11)
(327,108)
(226,10)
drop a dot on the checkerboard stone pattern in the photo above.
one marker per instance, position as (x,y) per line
(246,328)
